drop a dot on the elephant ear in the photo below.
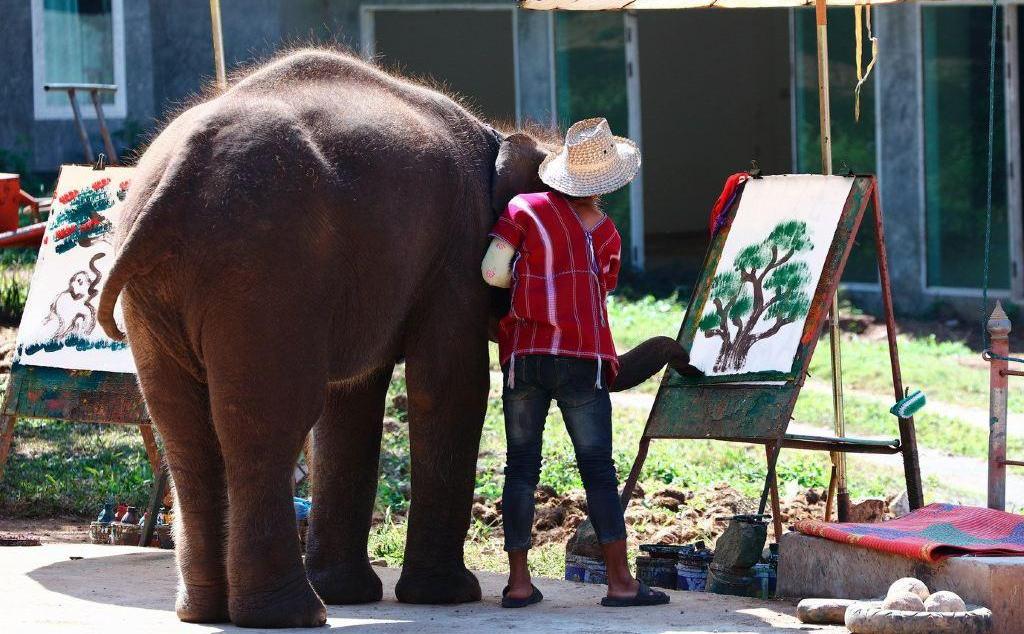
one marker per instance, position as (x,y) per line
(515,169)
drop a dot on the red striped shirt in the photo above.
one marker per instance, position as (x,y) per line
(560,278)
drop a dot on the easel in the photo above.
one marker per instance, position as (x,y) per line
(739,410)
(81,396)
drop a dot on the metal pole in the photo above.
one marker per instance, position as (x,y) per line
(838,458)
(218,45)
(908,433)
(998,330)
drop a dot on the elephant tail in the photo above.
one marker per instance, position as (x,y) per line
(147,234)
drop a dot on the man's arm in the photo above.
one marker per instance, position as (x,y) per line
(497,265)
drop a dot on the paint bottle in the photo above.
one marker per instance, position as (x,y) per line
(131,516)
(106,515)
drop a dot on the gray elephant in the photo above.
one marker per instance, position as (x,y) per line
(283,244)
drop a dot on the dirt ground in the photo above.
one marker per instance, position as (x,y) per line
(65,588)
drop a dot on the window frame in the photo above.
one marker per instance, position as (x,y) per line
(44,111)
(1013,202)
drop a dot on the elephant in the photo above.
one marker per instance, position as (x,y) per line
(284,243)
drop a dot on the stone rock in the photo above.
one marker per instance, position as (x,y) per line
(905,601)
(823,611)
(584,542)
(868,511)
(900,505)
(945,601)
(911,585)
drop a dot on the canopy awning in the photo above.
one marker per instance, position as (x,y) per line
(620,5)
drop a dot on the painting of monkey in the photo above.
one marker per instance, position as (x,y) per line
(73,309)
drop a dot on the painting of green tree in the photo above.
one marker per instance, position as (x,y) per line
(765,290)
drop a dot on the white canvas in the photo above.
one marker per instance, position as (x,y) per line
(59,327)
(777,215)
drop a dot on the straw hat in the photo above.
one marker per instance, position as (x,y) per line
(593,161)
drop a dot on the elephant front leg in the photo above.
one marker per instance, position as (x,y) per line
(344,485)
(448,384)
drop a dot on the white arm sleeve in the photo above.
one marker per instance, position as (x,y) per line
(497,264)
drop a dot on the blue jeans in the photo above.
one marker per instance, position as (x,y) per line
(587,411)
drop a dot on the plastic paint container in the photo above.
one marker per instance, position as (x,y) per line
(766,577)
(691,575)
(585,570)
(657,572)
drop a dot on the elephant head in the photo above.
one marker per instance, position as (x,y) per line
(515,169)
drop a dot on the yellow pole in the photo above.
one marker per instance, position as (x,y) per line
(218,45)
(838,458)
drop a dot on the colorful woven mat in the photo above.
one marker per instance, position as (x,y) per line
(932,533)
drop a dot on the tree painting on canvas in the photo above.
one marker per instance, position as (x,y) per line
(59,326)
(767,274)
(766,290)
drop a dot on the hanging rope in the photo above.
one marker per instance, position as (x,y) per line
(993,40)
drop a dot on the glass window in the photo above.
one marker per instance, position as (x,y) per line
(79,41)
(853,142)
(956,79)
(590,60)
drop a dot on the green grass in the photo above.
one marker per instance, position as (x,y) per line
(868,417)
(946,371)
(61,468)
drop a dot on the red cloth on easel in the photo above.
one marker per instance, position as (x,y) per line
(725,199)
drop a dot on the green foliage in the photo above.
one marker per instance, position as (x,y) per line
(752,257)
(709,322)
(792,236)
(725,285)
(13,294)
(742,306)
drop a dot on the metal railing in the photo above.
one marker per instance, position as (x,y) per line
(999,371)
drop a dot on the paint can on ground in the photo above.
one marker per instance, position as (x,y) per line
(727,580)
(691,575)
(659,572)
(585,570)
(765,576)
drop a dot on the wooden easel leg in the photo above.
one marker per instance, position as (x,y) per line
(773,485)
(155,502)
(5,441)
(152,450)
(634,473)
(908,434)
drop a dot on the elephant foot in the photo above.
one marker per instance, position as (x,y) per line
(448,585)
(291,605)
(346,584)
(202,604)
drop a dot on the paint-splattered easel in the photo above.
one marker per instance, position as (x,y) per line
(756,407)
(81,396)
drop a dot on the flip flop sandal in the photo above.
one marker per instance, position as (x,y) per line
(509,602)
(644,596)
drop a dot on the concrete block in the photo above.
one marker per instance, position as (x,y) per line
(817,567)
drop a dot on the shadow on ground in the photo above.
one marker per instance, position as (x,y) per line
(137,588)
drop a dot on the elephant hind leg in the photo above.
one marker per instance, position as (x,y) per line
(267,390)
(347,442)
(179,406)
